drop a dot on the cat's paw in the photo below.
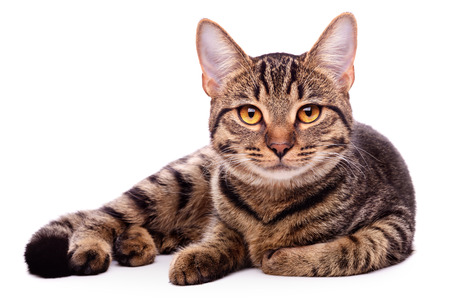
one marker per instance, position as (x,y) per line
(272,261)
(292,261)
(135,247)
(285,262)
(89,257)
(194,266)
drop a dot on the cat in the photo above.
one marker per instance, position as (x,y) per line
(290,183)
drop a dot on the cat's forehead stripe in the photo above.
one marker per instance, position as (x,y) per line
(277,73)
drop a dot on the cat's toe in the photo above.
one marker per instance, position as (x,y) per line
(192,268)
(271,261)
(135,248)
(90,258)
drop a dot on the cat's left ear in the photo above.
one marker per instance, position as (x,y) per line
(219,55)
(335,50)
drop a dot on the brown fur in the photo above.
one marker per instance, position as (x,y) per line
(328,198)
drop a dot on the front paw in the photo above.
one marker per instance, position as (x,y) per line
(286,262)
(135,247)
(273,261)
(194,266)
(89,257)
(294,261)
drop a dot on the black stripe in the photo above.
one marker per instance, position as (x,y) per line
(205,172)
(256,91)
(226,148)
(301,91)
(354,239)
(372,243)
(304,204)
(399,212)
(336,143)
(367,261)
(292,79)
(143,202)
(262,76)
(341,115)
(356,257)
(343,261)
(255,154)
(306,153)
(140,198)
(80,214)
(113,213)
(402,233)
(393,243)
(155,179)
(229,191)
(307,147)
(216,123)
(242,95)
(185,186)
(275,78)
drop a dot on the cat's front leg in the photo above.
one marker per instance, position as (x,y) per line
(384,243)
(220,253)
(293,261)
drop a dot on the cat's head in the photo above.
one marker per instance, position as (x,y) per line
(279,116)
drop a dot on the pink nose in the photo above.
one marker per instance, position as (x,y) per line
(280,149)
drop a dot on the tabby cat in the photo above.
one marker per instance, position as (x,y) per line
(290,183)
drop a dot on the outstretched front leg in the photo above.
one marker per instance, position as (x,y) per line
(159,214)
(220,253)
(384,243)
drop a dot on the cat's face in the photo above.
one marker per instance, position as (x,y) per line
(280,117)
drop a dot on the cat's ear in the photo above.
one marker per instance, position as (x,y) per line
(219,55)
(335,50)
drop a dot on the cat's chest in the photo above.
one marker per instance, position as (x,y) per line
(270,219)
(265,205)
(262,231)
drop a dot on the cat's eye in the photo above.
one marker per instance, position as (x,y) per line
(308,113)
(250,114)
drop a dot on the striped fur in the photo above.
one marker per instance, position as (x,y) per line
(336,201)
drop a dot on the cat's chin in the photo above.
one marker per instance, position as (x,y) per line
(283,175)
(280,173)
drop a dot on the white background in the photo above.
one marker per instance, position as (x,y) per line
(96,95)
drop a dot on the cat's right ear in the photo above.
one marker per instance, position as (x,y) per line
(219,55)
(335,50)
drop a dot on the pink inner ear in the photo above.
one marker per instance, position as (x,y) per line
(219,56)
(209,85)
(335,50)
(213,52)
(350,76)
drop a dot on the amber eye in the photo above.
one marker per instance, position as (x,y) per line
(250,114)
(308,113)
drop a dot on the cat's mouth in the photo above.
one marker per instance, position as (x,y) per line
(279,167)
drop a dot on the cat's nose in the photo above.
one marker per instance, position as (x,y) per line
(279,140)
(280,149)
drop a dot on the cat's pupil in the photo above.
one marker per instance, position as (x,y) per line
(308,111)
(251,112)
